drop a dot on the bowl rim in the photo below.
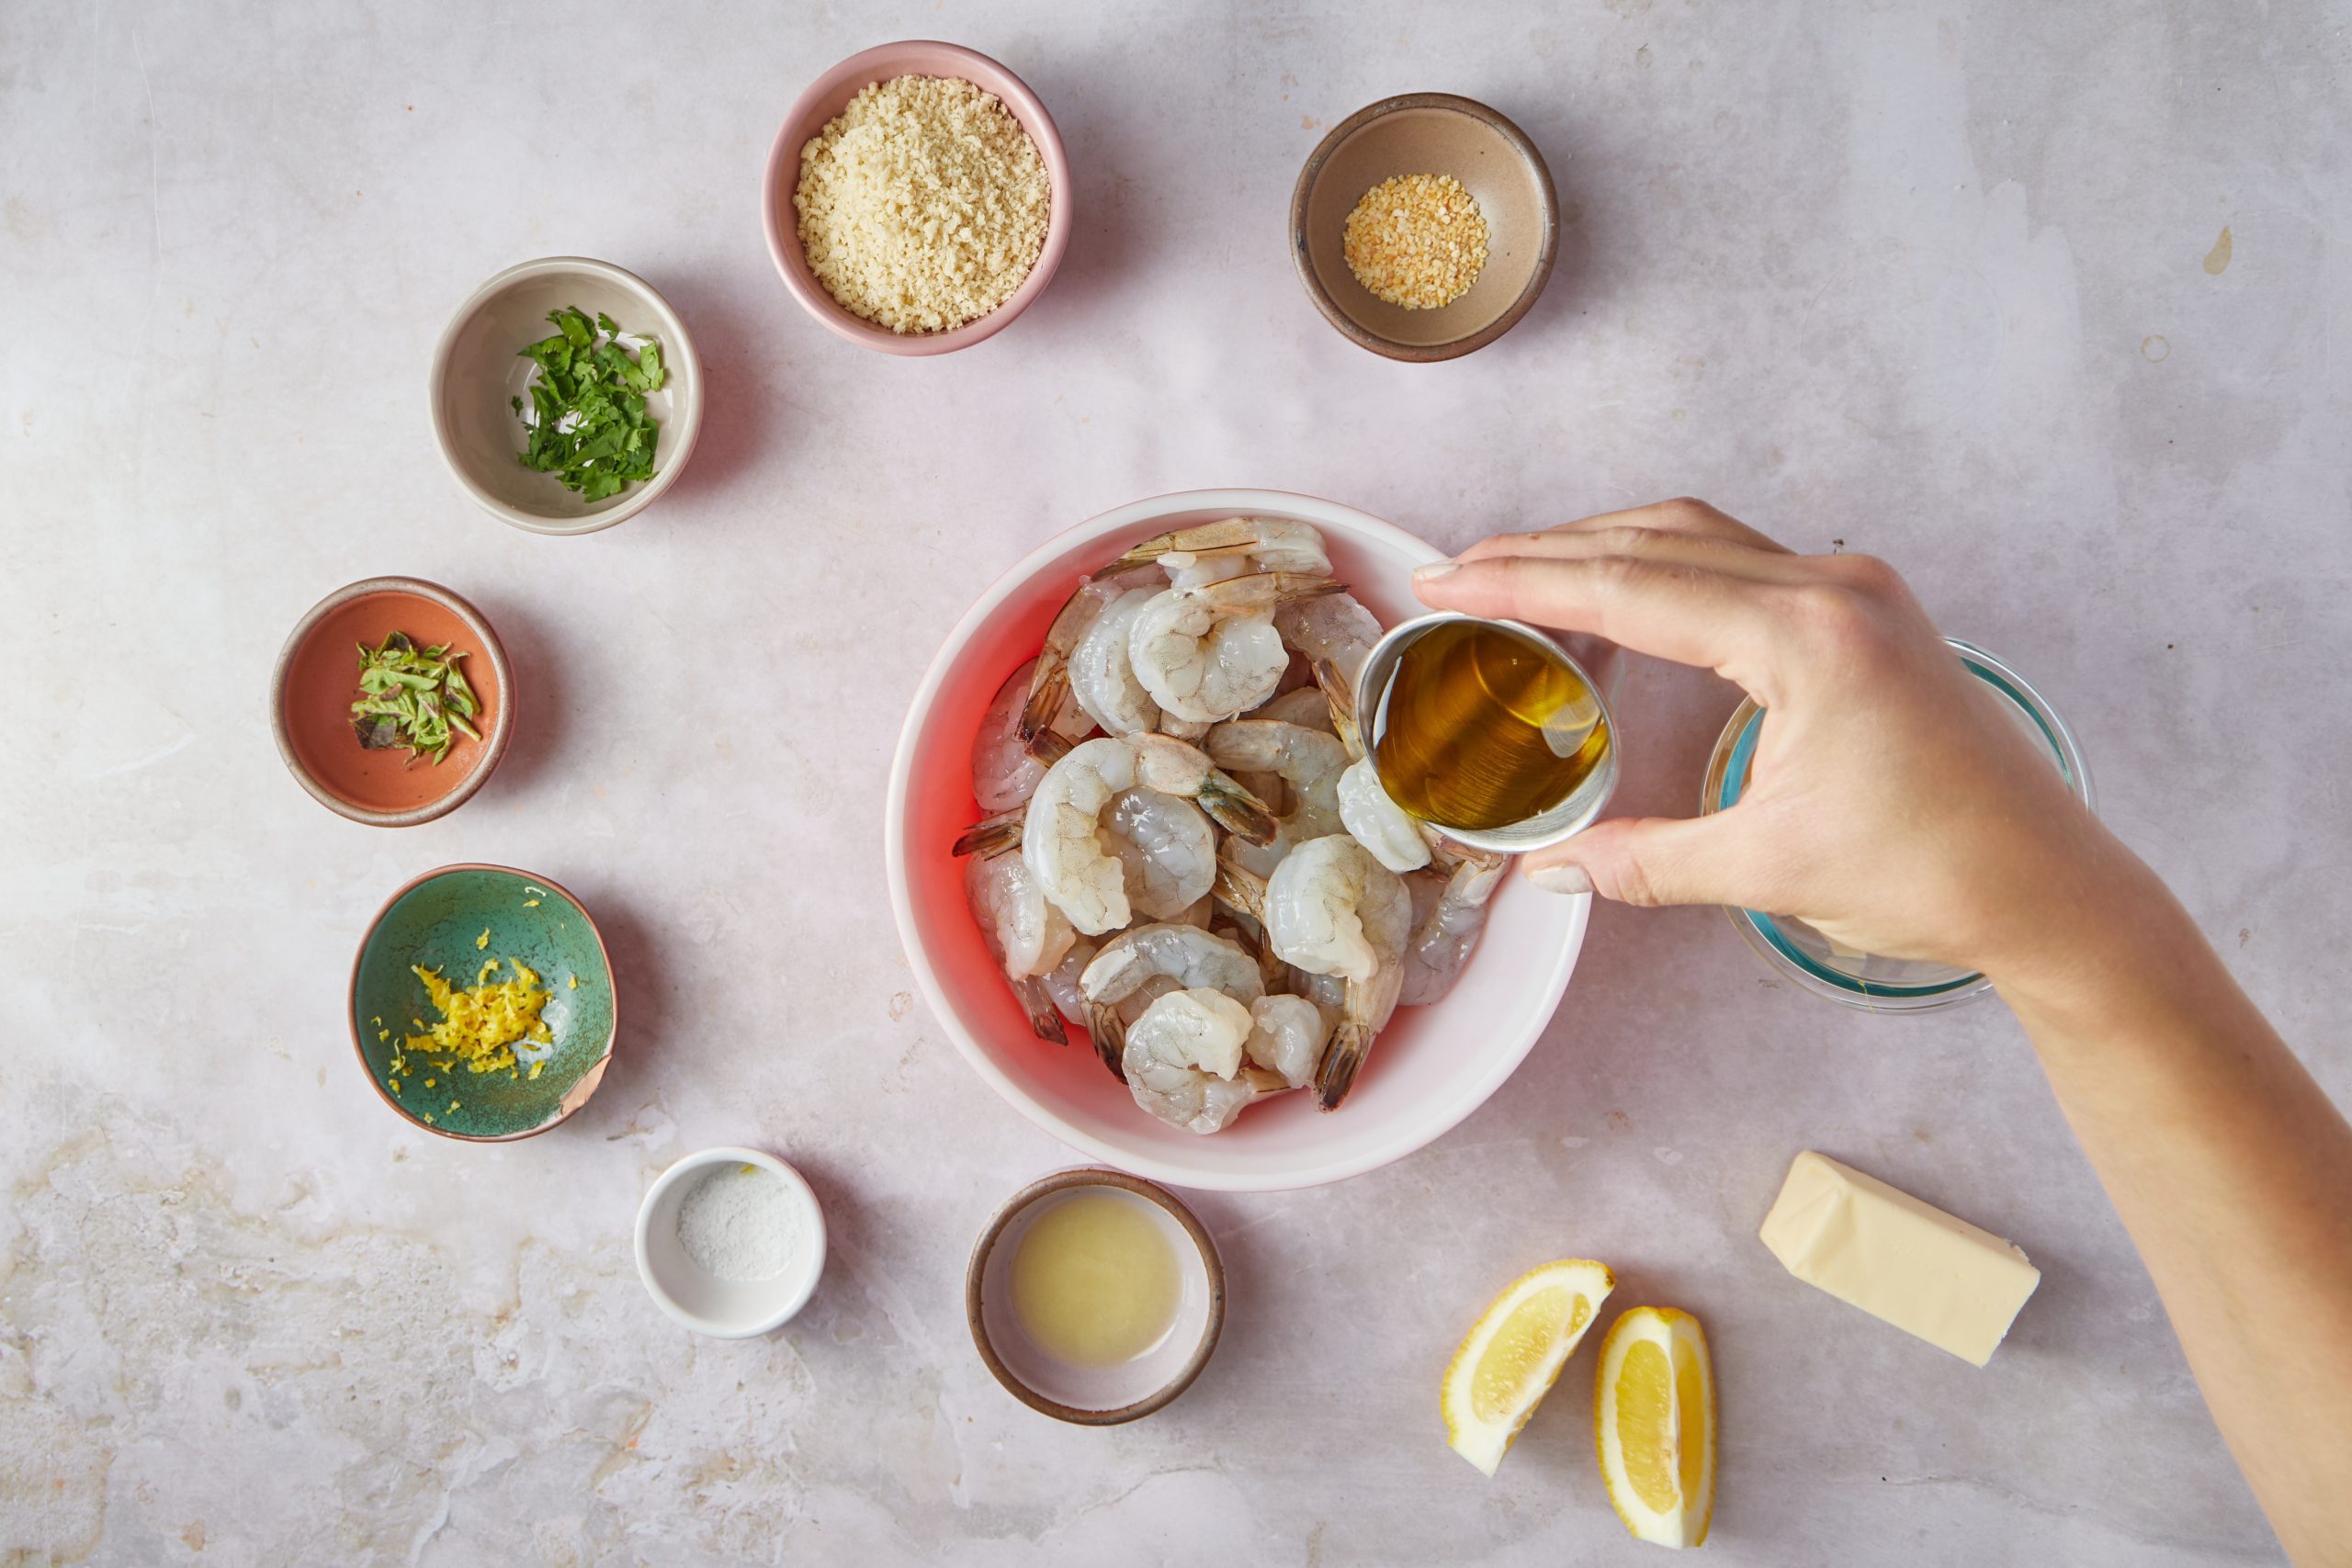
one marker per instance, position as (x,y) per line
(935,993)
(731,1154)
(1354,330)
(784,238)
(493,745)
(686,411)
(351,1004)
(975,1272)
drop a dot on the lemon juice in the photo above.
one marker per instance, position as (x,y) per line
(1095,1281)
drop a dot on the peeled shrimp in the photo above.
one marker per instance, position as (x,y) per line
(1101,678)
(1302,704)
(1062,832)
(1003,769)
(1212,652)
(1210,552)
(1331,909)
(1183,1061)
(1154,960)
(1396,839)
(1050,694)
(1309,764)
(1024,935)
(1449,916)
(1333,627)
(1168,849)
(1286,1036)
(1062,984)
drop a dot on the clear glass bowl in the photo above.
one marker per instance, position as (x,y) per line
(1795,949)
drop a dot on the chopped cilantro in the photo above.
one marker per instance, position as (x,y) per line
(587,424)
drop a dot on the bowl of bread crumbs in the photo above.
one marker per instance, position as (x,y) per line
(1424,226)
(918,197)
(481,1003)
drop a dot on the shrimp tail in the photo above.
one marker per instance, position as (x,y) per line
(1110,1034)
(1045,1019)
(1237,810)
(991,836)
(1241,890)
(1048,693)
(1048,745)
(1350,1043)
(1343,707)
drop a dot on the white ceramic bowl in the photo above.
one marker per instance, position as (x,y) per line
(724,1309)
(1430,1067)
(478,365)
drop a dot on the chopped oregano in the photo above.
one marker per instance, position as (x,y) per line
(586,422)
(415,697)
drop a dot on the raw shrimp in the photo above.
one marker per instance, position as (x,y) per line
(1449,914)
(1395,837)
(1332,908)
(1168,849)
(1183,1061)
(1333,627)
(1062,984)
(1003,769)
(1174,957)
(1302,704)
(1061,833)
(1027,936)
(1286,1036)
(1309,760)
(1212,652)
(1210,552)
(1050,694)
(1101,677)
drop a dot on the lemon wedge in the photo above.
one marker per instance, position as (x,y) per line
(1511,1356)
(1654,1420)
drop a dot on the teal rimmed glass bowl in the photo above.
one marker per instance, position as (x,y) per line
(1865,980)
(440,922)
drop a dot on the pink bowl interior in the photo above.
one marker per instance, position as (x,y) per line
(1432,1068)
(827,96)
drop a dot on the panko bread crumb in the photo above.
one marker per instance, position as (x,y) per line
(923,205)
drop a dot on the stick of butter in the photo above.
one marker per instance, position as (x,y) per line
(1901,1260)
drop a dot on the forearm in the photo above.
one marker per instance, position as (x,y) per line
(2232,1173)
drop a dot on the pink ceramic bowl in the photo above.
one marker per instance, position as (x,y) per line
(830,94)
(1431,1068)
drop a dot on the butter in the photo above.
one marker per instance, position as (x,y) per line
(1901,1260)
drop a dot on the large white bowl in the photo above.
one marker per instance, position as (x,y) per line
(1430,1067)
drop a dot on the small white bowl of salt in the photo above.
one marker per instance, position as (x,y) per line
(729,1242)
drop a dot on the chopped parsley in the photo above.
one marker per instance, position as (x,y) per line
(587,421)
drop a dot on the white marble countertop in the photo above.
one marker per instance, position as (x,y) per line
(1938,283)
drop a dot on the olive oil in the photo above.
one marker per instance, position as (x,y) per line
(1480,728)
(1096,1282)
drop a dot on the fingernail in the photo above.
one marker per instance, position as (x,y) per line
(1435,570)
(1562,877)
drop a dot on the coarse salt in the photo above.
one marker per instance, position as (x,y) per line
(740,1222)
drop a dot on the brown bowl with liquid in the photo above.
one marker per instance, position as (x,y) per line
(318,678)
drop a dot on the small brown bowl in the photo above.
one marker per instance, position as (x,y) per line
(318,677)
(1093,1397)
(1427,133)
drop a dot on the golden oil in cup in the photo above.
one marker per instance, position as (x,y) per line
(1488,730)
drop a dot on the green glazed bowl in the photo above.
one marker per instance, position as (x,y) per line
(437,923)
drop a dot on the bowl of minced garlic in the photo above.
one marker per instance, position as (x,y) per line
(481,1003)
(1423,227)
(918,197)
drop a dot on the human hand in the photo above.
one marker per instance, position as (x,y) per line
(1893,805)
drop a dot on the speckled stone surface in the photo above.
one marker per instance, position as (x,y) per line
(1938,283)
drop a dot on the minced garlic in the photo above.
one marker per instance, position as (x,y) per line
(922,206)
(480,1025)
(1417,240)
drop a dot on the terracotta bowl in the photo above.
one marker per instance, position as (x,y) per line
(826,98)
(318,678)
(1432,1066)
(1427,133)
(478,365)
(438,922)
(1094,1396)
